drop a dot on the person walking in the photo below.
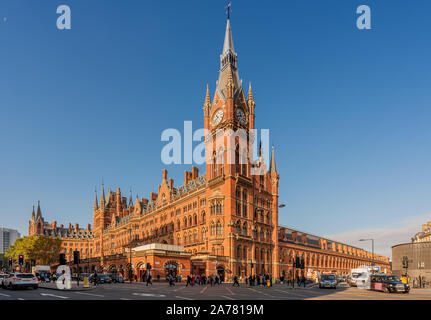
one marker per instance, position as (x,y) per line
(211,280)
(235,281)
(149,280)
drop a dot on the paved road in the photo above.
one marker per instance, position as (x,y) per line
(162,291)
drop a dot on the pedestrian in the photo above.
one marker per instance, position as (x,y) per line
(235,281)
(246,280)
(149,280)
(211,280)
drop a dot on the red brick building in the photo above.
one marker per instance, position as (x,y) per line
(223,221)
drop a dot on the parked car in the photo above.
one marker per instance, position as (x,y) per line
(388,284)
(3,275)
(328,281)
(20,280)
(116,278)
(101,278)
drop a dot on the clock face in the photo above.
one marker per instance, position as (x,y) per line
(218,116)
(240,115)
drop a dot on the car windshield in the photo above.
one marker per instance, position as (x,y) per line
(22,275)
(356,274)
(328,277)
(394,279)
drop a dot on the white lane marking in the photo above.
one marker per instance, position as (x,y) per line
(229,298)
(148,294)
(20,299)
(5,295)
(90,294)
(125,299)
(53,295)
(179,297)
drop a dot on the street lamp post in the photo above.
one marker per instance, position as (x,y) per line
(372,252)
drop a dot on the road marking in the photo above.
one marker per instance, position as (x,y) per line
(148,294)
(229,298)
(125,299)
(266,294)
(5,295)
(179,289)
(203,290)
(20,299)
(179,297)
(90,294)
(230,291)
(53,295)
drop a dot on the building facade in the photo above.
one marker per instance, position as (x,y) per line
(7,238)
(418,257)
(223,221)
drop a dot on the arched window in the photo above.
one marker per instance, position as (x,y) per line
(237,228)
(244,253)
(203,217)
(204,234)
(215,165)
(244,229)
(220,160)
(237,159)
(212,229)
(244,162)
(185,222)
(190,221)
(219,228)
(195,217)
(238,252)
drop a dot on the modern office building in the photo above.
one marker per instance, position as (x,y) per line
(7,238)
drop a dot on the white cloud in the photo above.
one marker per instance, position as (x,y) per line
(384,237)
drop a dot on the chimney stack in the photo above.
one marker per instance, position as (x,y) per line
(195,172)
(186,177)
(76,227)
(171,184)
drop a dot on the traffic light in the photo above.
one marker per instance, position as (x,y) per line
(62,259)
(76,257)
(21,259)
(10,262)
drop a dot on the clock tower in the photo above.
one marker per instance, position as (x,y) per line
(229,112)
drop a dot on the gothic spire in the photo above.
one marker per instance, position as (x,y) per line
(250,93)
(130,199)
(96,206)
(228,40)
(102,196)
(38,212)
(32,214)
(273,166)
(207,97)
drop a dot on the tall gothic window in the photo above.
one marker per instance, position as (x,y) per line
(237,159)
(219,229)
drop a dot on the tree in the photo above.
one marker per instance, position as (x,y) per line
(44,250)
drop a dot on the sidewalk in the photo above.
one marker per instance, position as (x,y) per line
(53,286)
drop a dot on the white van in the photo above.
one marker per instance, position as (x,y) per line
(358,276)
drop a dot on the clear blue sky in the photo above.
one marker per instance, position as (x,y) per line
(349,110)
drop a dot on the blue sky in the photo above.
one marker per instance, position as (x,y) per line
(349,110)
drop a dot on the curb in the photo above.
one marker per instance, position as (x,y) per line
(75,289)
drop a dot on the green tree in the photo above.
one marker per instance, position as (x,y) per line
(44,250)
